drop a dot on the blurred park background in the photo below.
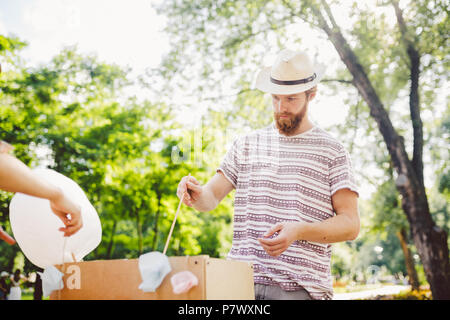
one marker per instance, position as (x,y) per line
(127,97)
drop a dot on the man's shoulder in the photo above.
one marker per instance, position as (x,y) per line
(327,140)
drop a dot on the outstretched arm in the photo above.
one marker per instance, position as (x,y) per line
(15,176)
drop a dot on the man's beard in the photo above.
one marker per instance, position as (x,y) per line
(289,125)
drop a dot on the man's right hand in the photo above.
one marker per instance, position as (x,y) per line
(191,189)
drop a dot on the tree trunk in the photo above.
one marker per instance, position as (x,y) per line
(409,261)
(111,241)
(430,240)
(414,101)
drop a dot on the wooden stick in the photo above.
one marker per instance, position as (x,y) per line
(173,224)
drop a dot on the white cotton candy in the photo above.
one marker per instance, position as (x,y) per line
(36,227)
(51,280)
(154,267)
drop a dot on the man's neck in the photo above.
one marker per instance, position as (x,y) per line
(304,126)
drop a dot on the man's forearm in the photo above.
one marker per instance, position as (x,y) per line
(207,201)
(336,229)
(15,176)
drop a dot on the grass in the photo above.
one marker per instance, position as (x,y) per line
(358,287)
(28,295)
(422,294)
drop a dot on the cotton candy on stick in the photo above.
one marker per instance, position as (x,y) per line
(155,266)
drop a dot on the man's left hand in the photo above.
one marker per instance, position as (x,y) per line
(288,232)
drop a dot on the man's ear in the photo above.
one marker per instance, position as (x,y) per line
(311,95)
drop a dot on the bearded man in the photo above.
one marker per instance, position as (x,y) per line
(295,190)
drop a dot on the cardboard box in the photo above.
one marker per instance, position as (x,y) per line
(218,279)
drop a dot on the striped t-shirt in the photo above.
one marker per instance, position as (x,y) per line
(279,178)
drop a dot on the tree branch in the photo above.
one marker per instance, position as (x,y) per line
(414,103)
(214,98)
(329,14)
(337,80)
(285,21)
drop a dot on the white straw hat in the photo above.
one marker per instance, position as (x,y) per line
(292,72)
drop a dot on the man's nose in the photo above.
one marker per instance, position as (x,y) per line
(281,106)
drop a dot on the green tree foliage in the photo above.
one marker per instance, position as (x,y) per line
(74,115)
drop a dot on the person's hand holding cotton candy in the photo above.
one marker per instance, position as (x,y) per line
(15,176)
(35,222)
(62,206)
